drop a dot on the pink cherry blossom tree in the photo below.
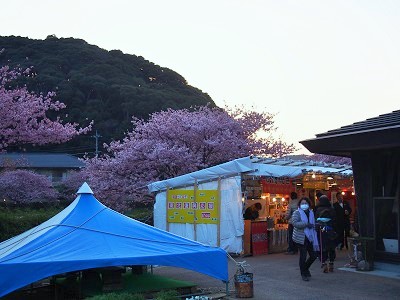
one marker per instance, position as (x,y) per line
(22,186)
(23,114)
(70,185)
(330,159)
(176,142)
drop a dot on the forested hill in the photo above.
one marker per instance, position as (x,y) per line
(95,84)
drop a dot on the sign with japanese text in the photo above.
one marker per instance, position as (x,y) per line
(277,185)
(322,185)
(184,207)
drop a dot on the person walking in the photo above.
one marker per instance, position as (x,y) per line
(343,211)
(292,206)
(326,224)
(318,195)
(305,236)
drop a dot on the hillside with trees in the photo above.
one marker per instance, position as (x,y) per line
(108,87)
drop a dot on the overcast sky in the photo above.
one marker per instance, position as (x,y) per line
(318,65)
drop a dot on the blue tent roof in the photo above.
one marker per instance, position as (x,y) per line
(87,235)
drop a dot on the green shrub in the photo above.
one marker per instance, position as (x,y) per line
(14,221)
(17,219)
(143,214)
(162,295)
(167,295)
(115,296)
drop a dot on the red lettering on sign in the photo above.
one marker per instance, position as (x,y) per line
(206,215)
(274,185)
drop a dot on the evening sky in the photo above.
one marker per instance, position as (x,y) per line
(318,64)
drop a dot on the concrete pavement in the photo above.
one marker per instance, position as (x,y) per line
(277,276)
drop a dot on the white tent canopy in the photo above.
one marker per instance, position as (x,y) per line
(230,168)
(231,224)
(262,169)
(272,168)
(230,175)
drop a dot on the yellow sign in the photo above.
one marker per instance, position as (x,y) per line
(182,207)
(207,206)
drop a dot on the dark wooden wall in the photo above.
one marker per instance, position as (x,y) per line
(376,175)
(363,188)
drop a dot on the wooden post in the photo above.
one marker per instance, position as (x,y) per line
(220,214)
(247,237)
(195,212)
(166,210)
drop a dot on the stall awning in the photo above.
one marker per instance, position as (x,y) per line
(252,167)
(230,168)
(272,170)
(276,171)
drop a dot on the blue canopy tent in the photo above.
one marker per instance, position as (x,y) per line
(87,235)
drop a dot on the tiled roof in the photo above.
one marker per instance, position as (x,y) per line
(40,160)
(377,123)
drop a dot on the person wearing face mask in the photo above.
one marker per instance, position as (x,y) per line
(305,236)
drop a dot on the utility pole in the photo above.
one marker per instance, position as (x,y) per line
(97,136)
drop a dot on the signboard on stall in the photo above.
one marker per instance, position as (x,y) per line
(321,185)
(184,206)
(277,185)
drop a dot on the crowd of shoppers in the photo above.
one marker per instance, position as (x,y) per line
(318,233)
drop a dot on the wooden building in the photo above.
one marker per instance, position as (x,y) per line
(374,148)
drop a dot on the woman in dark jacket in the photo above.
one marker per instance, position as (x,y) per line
(343,212)
(326,220)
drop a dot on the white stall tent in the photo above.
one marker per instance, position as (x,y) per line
(231,219)
(293,169)
(228,178)
(227,169)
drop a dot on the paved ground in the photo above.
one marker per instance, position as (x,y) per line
(277,276)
